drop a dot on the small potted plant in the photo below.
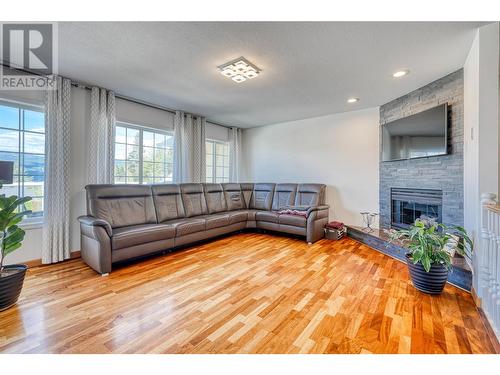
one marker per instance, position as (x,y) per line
(11,237)
(430,249)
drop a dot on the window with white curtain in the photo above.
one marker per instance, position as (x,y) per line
(22,140)
(217,161)
(142,155)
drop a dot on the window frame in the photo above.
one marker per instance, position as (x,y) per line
(140,161)
(29,222)
(214,160)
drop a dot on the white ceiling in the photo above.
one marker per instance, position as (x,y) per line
(308,68)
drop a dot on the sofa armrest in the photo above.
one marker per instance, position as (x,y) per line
(317,217)
(94,222)
(321,207)
(95,242)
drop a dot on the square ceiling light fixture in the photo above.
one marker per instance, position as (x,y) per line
(239,70)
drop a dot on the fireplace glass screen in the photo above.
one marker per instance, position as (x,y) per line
(407,205)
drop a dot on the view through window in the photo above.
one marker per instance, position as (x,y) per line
(22,140)
(142,155)
(217,161)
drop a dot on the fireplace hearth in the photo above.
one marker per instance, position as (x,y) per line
(407,205)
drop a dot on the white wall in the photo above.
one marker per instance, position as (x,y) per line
(471,144)
(481,126)
(80,116)
(340,150)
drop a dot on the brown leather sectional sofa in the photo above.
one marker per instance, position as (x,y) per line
(129,221)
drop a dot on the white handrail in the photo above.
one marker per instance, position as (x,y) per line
(488,260)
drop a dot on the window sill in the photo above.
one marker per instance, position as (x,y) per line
(30,225)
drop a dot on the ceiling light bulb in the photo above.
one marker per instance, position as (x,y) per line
(228,72)
(238,78)
(250,74)
(352,100)
(400,73)
(240,64)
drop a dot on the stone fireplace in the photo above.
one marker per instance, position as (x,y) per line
(430,186)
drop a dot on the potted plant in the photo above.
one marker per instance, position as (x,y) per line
(11,237)
(430,249)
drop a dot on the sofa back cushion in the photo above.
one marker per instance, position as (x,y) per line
(121,205)
(234,197)
(284,195)
(168,202)
(310,195)
(247,191)
(193,199)
(214,196)
(262,197)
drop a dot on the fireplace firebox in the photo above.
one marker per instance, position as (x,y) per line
(407,205)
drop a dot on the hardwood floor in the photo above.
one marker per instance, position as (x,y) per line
(247,293)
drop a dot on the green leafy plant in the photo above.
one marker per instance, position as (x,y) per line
(428,241)
(11,236)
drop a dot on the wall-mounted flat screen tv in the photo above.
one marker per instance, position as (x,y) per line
(418,136)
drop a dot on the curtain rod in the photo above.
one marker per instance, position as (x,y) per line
(87,86)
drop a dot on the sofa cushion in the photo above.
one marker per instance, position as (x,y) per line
(193,199)
(251,214)
(269,216)
(238,216)
(121,205)
(262,196)
(140,234)
(268,225)
(234,197)
(168,202)
(247,191)
(284,195)
(310,195)
(295,220)
(215,220)
(187,225)
(214,196)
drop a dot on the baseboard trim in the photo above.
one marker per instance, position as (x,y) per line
(38,262)
(486,321)
(494,339)
(475,297)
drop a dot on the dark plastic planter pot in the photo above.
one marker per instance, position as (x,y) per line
(431,282)
(11,283)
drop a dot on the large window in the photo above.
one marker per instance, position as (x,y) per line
(22,140)
(217,161)
(142,155)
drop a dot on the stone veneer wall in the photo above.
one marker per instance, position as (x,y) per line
(438,172)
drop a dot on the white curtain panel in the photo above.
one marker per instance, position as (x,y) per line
(100,147)
(182,136)
(55,238)
(189,148)
(199,150)
(234,154)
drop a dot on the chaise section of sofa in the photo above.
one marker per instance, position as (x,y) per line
(130,221)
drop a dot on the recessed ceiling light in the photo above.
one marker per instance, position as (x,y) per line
(400,73)
(352,100)
(239,70)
